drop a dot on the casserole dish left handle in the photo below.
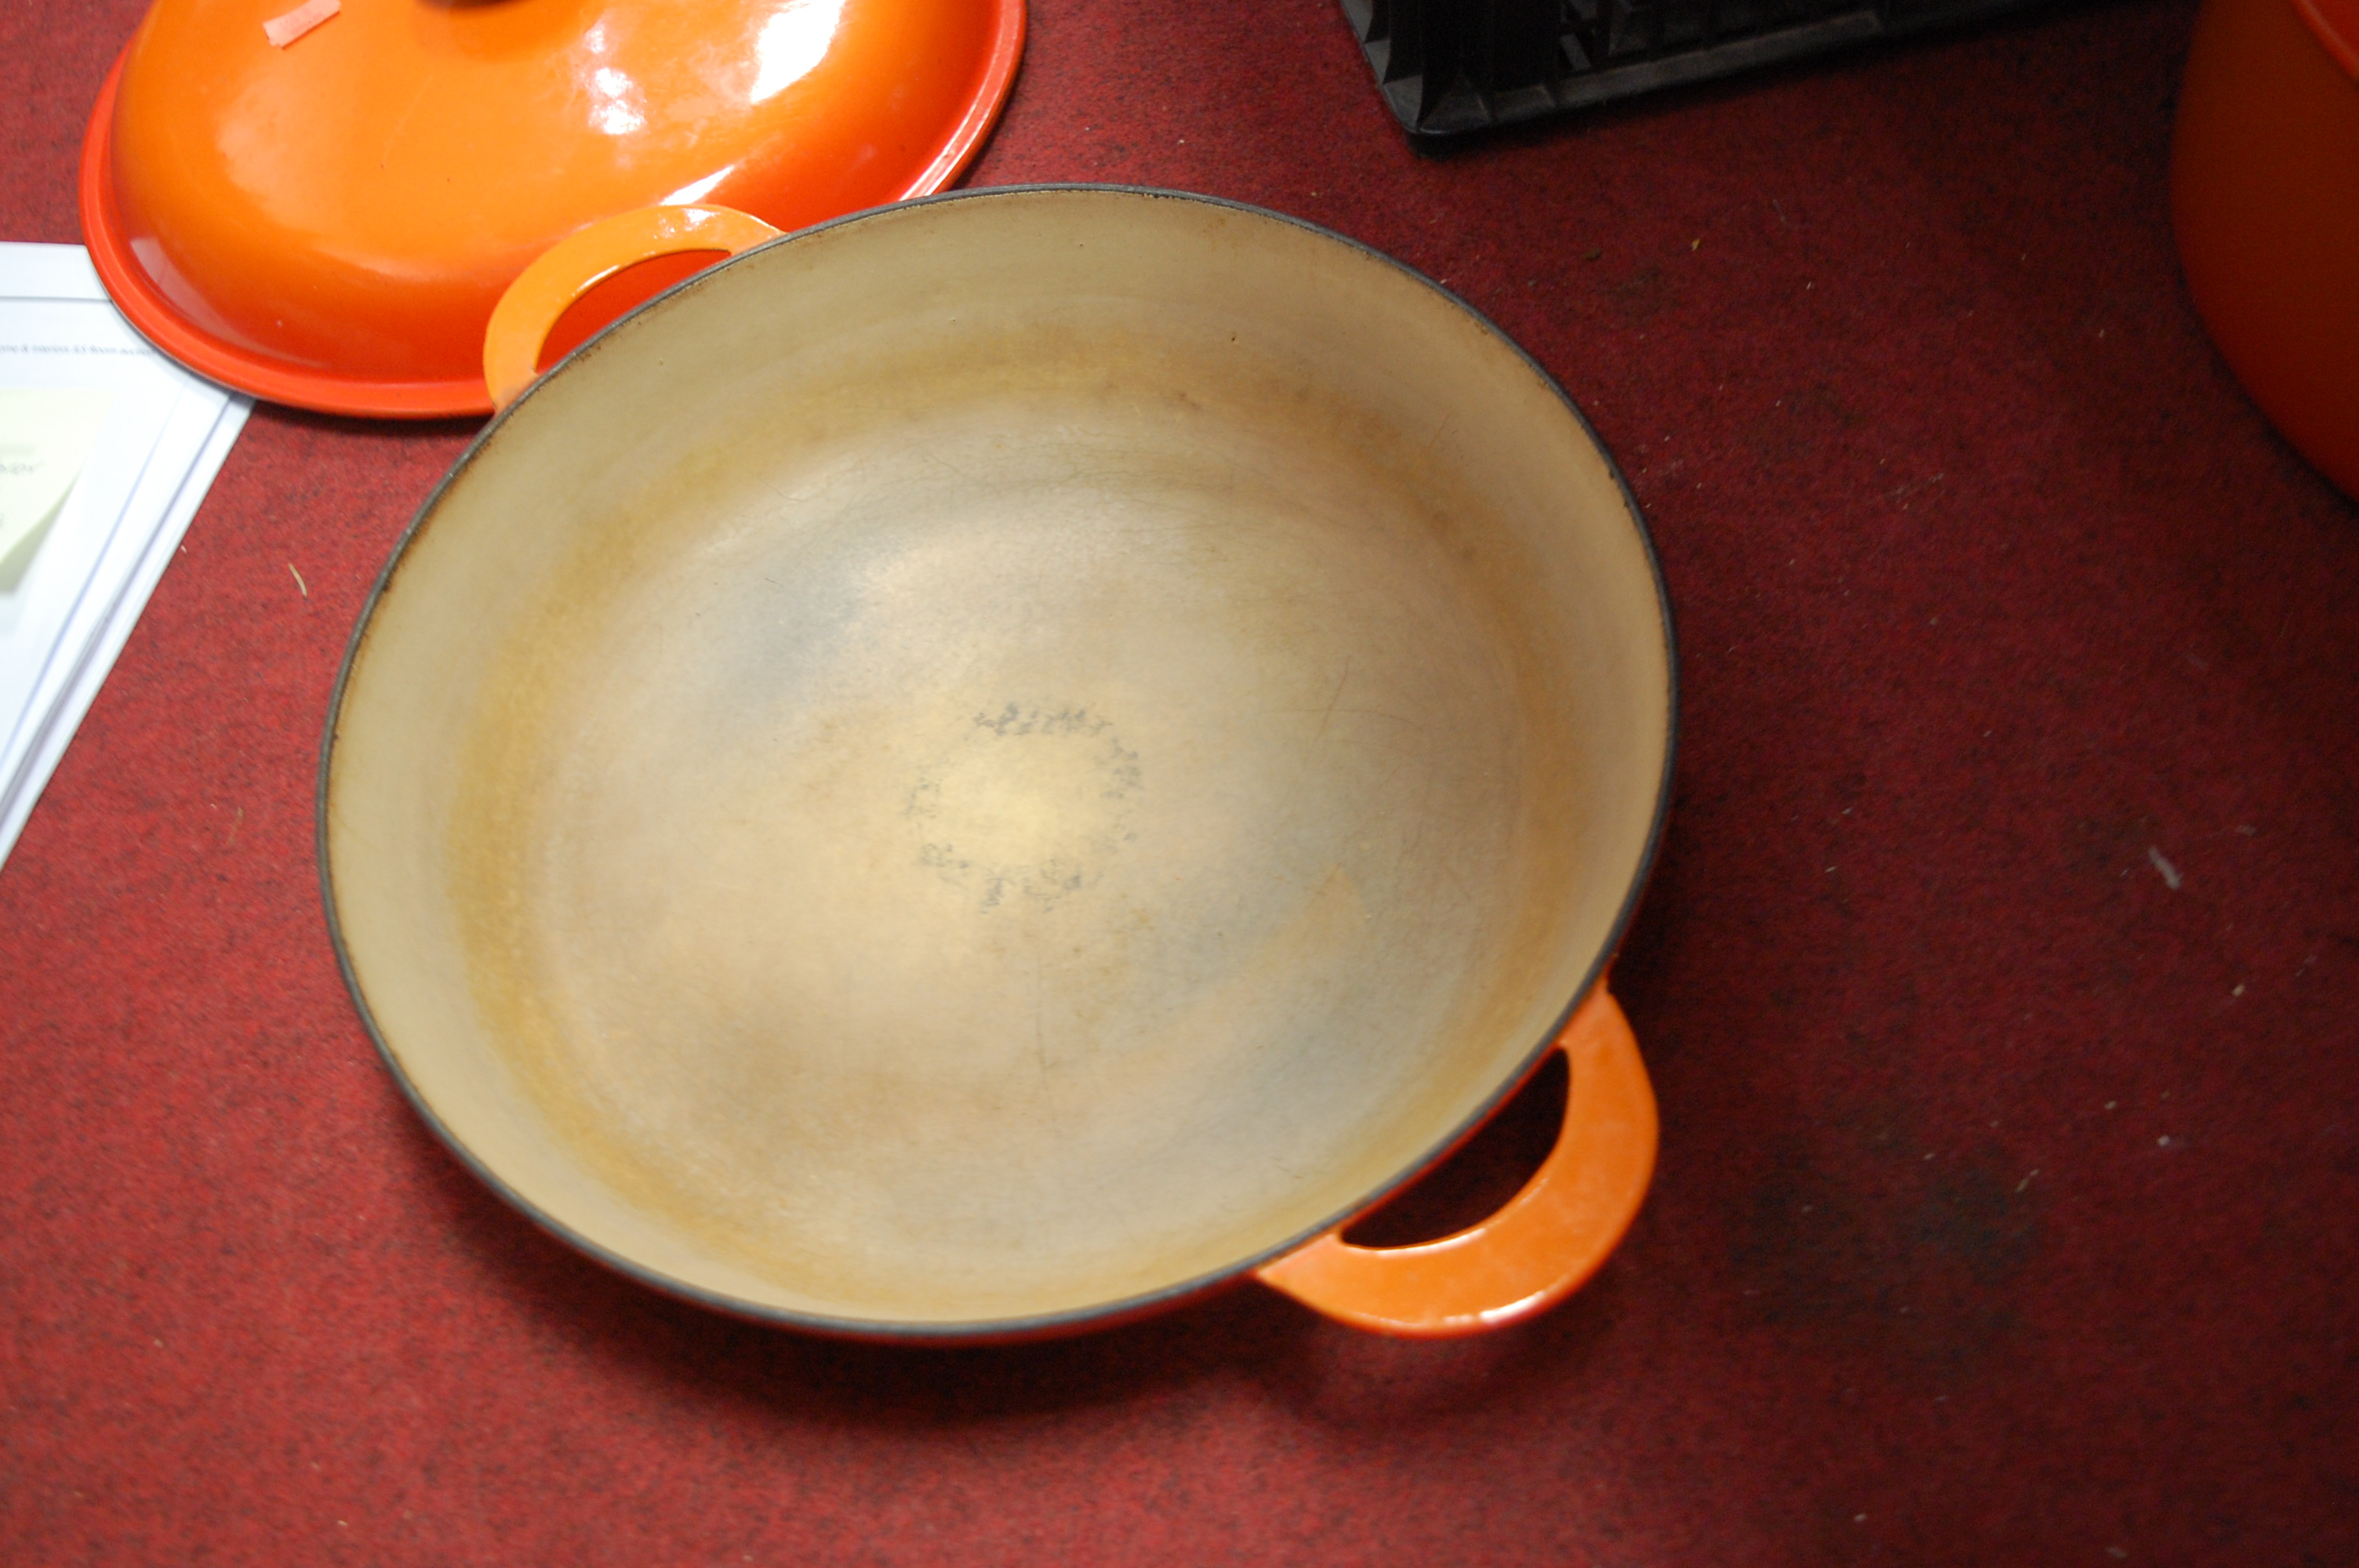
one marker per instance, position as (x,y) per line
(582,260)
(1548,1241)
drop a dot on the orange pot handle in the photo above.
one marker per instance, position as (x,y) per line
(582,260)
(1548,1241)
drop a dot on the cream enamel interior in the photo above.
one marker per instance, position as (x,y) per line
(997,758)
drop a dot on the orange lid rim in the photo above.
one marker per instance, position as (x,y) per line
(328,392)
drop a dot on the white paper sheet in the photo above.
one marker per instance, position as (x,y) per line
(45,438)
(69,597)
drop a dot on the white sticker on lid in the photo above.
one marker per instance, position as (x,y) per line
(284,31)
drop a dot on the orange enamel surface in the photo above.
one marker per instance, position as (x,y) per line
(1546,1243)
(2265,202)
(575,264)
(346,210)
(2336,23)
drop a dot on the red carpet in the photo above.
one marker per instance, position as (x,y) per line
(2008,1209)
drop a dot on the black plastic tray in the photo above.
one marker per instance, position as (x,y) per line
(1452,66)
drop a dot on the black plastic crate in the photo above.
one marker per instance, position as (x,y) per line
(1449,66)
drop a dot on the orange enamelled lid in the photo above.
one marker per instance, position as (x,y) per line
(329,222)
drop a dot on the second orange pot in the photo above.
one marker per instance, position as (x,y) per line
(2265,199)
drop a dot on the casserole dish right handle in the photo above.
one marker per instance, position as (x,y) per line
(1548,1241)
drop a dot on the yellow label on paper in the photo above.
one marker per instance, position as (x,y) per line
(45,438)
